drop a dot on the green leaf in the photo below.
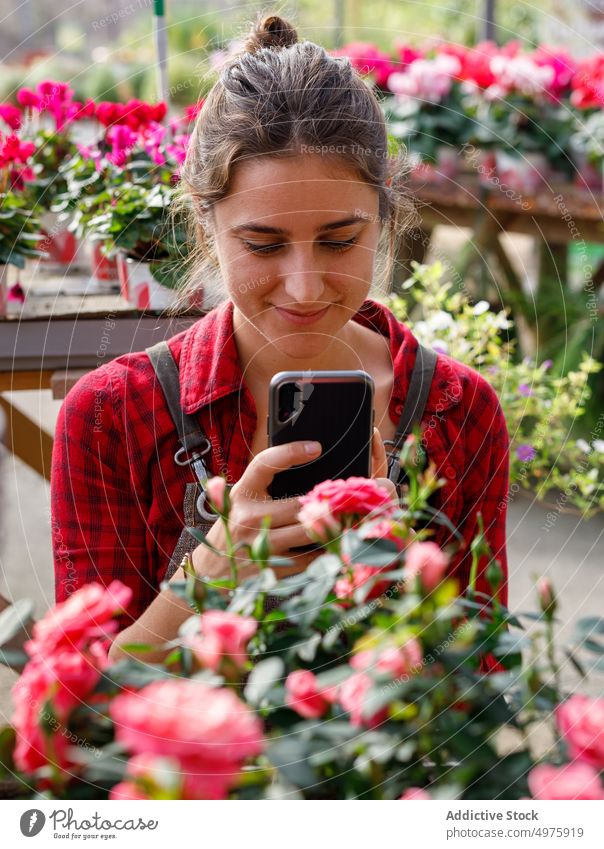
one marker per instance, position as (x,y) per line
(307,650)
(369,552)
(8,739)
(131,673)
(291,758)
(590,625)
(263,676)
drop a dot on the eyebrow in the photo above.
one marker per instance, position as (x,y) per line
(279,231)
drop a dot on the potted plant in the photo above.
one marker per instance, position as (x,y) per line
(587,148)
(19,226)
(137,226)
(50,113)
(526,114)
(428,113)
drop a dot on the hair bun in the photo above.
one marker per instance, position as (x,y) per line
(272,32)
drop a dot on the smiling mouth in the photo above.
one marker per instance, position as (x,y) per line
(302,317)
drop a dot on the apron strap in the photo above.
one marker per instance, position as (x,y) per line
(194,444)
(414,406)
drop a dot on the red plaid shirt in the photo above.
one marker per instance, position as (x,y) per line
(117,495)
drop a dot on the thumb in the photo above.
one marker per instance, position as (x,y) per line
(379,461)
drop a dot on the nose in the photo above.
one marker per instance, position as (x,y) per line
(304,276)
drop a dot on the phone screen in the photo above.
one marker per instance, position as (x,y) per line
(336,409)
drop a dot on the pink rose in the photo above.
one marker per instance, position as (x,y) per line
(426,561)
(547,598)
(571,781)
(303,695)
(352,499)
(351,695)
(397,661)
(45,695)
(223,634)
(581,722)
(415,794)
(127,791)
(86,614)
(208,730)
(318,521)
(216,491)
(345,586)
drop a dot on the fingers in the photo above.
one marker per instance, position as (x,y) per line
(379,461)
(386,483)
(265,465)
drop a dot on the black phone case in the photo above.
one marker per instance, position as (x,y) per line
(337,411)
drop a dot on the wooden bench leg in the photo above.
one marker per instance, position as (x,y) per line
(27,440)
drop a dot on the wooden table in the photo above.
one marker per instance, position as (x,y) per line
(558,215)
(58,336)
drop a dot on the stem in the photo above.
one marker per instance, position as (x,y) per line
(230,552)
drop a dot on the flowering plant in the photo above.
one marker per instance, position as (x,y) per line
(427,109)
(18,223)
(361,679)
(540,406)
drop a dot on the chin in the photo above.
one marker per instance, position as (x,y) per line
(300,346)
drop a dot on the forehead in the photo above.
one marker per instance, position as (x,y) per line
(312,184)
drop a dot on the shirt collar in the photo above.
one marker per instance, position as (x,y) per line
(210,367)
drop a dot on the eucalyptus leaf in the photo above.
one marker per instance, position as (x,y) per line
(261,679)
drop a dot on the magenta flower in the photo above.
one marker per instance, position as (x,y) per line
(11,115)
(525,389)
(122,140)
(526,453)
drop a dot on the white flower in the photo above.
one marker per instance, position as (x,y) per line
(583,446)
(480,307)
(598,444)
(440,320)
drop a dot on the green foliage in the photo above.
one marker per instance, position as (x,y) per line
(540,406)
(19,230)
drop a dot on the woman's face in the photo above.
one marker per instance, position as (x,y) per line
(296,241)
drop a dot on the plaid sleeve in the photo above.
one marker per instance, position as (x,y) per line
(484,486)
(98,527)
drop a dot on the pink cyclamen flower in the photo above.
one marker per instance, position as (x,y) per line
(425,561)
(415,794)
(396,661)
(303,694)
(223,634)
(86,614)
(11,115)
(208,730)
(581,722)
(571,781)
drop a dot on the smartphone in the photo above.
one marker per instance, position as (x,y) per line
(334,408)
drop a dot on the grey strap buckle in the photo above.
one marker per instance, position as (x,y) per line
(195,460)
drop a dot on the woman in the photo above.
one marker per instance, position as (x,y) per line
(290,183)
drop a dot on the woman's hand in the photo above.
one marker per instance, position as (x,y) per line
(379,464)
(250,503)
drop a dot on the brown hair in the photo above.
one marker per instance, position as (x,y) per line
(276,97)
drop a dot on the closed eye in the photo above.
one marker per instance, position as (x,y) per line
(268,249)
